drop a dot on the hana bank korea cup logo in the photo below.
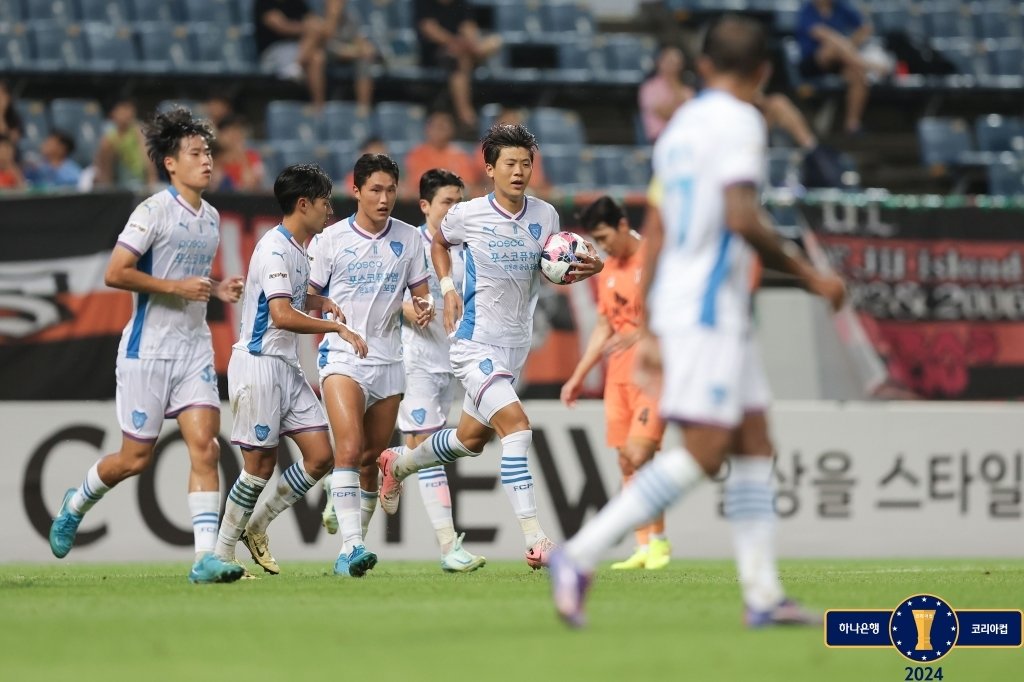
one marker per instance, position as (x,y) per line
(924,628)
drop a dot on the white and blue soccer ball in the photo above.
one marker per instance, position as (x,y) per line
(561,250)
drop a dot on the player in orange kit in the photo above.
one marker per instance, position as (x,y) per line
(634,426)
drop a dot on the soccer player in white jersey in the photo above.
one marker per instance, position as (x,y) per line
(165,359)
(365,263)
(502,236)
(270,396)
(702,241)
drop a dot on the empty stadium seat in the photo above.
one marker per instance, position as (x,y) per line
(35,122)
(517,20)
(110,47)
(997,20)
(621,166)
(290,120)
(219,48)
(1006,177)
(556,126)
(83,120)
(582,58)
(114,12)
(56,46)
(562,164)
(15,50)
(1005,57)
(62,11)
(11,10)
(629,53)
(783,167)
(343,123)
(195,106)
(997,133)
(220,12)
(399,121)
(944,141)
(947,21)
(962,53)
(163,49)
(153,10)
(567,16)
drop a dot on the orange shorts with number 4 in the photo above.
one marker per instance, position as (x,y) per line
(631,413)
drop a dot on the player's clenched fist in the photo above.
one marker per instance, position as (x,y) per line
(194,288)
(230,290)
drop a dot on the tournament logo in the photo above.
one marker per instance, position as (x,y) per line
(486,366)
(535,230)
(262,432)
(924,628)
(139,418)
(419,415)
(397,247)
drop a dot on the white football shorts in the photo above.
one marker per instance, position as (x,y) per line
(490,375)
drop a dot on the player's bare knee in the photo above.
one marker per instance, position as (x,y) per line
(135,458)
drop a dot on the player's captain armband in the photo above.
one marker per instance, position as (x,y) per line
(655,192)
(447,284)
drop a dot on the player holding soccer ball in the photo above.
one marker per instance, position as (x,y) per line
(165,360)
(631,415)
(707,228)
(502,236)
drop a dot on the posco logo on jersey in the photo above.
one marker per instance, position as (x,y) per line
(505,242)
(364,264)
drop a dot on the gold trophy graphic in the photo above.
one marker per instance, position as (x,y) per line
(923,620)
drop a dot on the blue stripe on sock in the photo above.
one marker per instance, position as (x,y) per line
(88,492)
(432,470)
(297,480)
(337,469)
(433,475)
(510,458)
(367,496)
(516,480)
(655,493)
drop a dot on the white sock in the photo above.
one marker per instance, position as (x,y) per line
(440,448)
(438,501)
(654,488)
(345,493)
(89,493)
(367,505)
(329,504)
(518,484)
(241,499)
(293,483)
(750,508)
(205,510)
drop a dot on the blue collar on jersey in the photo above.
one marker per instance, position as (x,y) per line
(288,235)
(184,204)
(363,233)
(505,214)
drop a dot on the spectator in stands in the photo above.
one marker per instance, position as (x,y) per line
(450,39)
(664,92)
(10,174)
(237,167)
(10,121)
(55,168)
(539,185)
(217,109)
(290,40)
(371,145)
(831,33)
(121,158)
(438,151)
(347,43)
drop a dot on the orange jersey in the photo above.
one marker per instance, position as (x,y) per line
(619,300)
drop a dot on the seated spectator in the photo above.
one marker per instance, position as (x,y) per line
(348,44)
(237,167)
(56,168)
(290,41)
(450,39)
(10,121)
(664,92)
(372,145)
(217,108)
(821,163)
(10,174)
(437,151)
(539,184)
(831,33)
(121,159)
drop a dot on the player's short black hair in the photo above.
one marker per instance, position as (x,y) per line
(165,131)
(504,135)
(736,44)
(436,178)
(604,210)
(368,164)
(301,181)
(65,139)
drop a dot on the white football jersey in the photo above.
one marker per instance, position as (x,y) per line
(279,268)
(367,275)
(704,271)
(172,241)
(503,254)
(426,349)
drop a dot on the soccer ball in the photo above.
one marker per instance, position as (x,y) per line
(561,250)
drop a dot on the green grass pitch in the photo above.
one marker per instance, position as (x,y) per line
(409,621)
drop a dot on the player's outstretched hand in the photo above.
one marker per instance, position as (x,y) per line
(230,290)
(358,344)
(571,391)
(452,310)
(831,288)
(588,265)
(647,370)
(424,308)
(194,288)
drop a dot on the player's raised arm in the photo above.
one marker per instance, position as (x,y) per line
(123,273)
(745,217)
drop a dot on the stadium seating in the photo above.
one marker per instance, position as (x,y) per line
(220,48)
(287,120)
(112,12)
(15,51)
(399,121)
(83,120)
(163,50)
(556,126)
(153,10)
(944,142)
(1006,177)
(343,123)
(56,46)
(218,12)
(34,120)
(999,133)
(109,47)
(62,11)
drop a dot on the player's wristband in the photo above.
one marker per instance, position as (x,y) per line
(447,284)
